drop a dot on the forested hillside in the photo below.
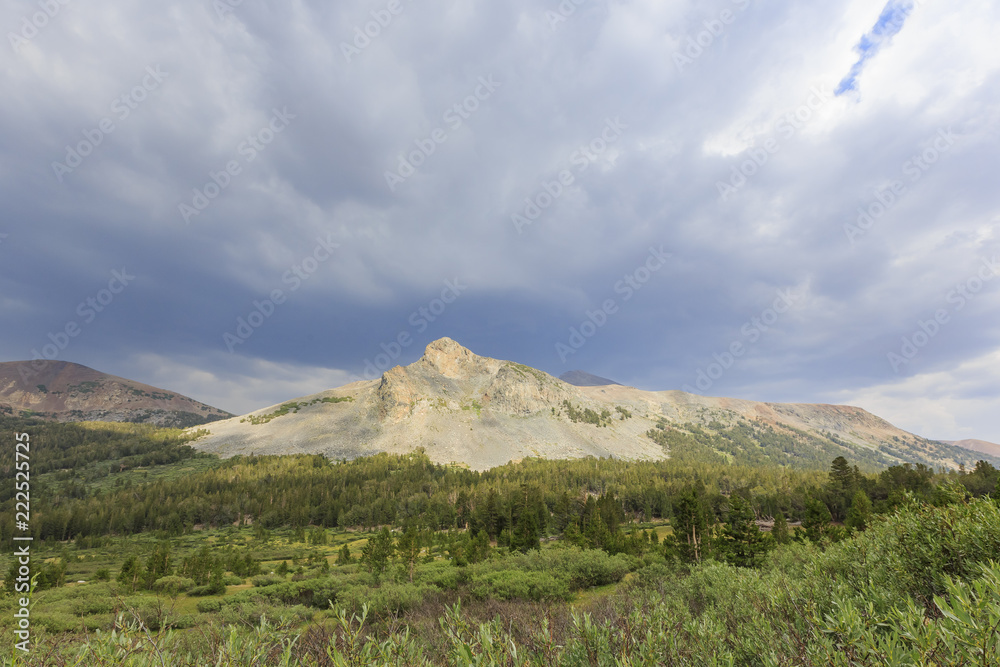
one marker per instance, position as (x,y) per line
(697,559)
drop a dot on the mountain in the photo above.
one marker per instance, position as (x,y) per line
(980,446)
(584,379)
(64,391)
(481,412)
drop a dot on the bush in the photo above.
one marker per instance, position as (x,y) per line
(581,568)
(266,580)
(209,606)
(249,613)
(172,585)
(442,574)
(209,589)
(90,603)
(914,550)
(56,622)
(387,599)
(517,584)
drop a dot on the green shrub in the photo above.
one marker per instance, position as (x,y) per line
(56,621)
(172,585)
(91,602)
(581,568)
(517,584)
(442,574)
(209,589)
(209,606)
(387,599)
(266,580)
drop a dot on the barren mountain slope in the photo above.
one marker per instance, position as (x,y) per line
(482,412)
(65,391)
(980,446)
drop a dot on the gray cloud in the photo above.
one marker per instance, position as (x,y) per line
(745,104)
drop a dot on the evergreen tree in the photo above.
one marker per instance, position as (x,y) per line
(344,556)
(817,519)
(859,515)
(525,535)
(780,530)
(742,542)
(157,565)
(690,526)
(128,577)
(376,553)
(840,487)
(479,548)
(408,549)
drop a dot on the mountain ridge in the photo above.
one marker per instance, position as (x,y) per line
(66,391)
(585,379)
(976,445)
(481,412)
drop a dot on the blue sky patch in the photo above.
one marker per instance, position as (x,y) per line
(889,22)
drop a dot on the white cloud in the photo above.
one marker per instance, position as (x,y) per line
(256,384)
(948,405)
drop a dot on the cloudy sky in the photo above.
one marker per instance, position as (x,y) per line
(249,201)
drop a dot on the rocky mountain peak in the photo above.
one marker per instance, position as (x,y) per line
(452,360)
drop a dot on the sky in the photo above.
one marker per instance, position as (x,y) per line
(249,201)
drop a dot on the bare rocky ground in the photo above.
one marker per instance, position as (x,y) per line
(481,412)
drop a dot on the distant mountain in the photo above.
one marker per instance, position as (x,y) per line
(481,412)
(980,446)
(585,379)
(64,391)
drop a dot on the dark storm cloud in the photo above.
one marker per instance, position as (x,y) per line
(353,159)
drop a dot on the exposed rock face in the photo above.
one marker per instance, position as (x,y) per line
(519,390)
(482,412)
(65,391)
(449,359)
